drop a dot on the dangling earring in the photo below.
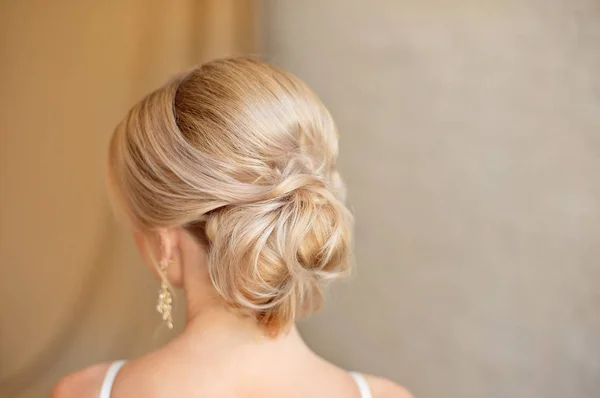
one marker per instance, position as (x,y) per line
(164,296)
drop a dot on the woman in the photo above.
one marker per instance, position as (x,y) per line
(228,177)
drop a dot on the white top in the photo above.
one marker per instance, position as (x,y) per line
(363,386)
(113,370)
(109,378)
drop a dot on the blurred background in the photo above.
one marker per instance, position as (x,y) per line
(470,142)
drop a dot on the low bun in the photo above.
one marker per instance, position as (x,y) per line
(244,156)
(273,257)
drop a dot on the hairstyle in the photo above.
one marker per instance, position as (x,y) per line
(243,155)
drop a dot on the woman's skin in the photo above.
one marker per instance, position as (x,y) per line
(219,353)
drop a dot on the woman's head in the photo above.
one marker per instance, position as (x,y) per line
(241,155)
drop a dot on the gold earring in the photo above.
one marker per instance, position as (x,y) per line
(164,296)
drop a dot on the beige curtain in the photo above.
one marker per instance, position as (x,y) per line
(72,288)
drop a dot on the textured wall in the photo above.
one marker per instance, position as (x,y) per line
(471,147)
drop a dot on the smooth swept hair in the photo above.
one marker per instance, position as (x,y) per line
(242,155)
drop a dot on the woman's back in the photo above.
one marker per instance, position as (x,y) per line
(186,368)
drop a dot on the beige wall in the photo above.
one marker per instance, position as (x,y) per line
(471,147)
(72,289)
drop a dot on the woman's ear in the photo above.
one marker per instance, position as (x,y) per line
(170,255)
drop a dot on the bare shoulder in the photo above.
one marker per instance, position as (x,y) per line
(82,384)
(384,388)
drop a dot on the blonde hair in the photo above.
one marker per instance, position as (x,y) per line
(243,155)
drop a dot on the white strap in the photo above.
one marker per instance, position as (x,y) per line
(363,386)
(109,378)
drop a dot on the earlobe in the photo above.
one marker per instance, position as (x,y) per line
(166,245)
